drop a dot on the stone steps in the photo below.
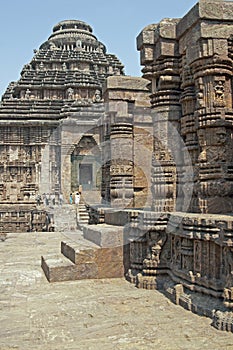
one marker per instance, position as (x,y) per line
(106,262)
(69,217)
(82,216)
(83,259)
(59,269)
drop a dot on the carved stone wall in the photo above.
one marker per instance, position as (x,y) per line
(185,245)
(188,256)
(189,63)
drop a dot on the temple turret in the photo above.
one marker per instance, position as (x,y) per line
(71,65)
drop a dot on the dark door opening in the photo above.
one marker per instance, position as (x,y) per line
(86,176)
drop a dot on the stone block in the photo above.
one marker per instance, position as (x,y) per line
(166,29)
(106,262)
(147,55)
(78,255)
(104,236)
(168,48)
(116,218)
(110,262)
(188,21)
(146,37)
(215,9)
(58,269)
(125,83)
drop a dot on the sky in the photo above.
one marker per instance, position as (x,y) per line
(26,24)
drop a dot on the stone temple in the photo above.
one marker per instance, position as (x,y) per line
(64,79)
(152,157)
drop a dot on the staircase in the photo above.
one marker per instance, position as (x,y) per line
(82,214)
(97,252)
(81,258)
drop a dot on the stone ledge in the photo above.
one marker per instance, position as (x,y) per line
(103,235)
(59,269)
(108,262)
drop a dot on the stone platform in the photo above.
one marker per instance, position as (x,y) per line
(88,314)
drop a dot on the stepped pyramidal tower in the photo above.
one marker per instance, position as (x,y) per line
(57,100)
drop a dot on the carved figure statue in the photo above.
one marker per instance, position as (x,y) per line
(156,240)
(27,94)
(70,94)
(229,266)
(97,97)
(219,91)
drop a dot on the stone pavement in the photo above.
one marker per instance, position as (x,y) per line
(88,314)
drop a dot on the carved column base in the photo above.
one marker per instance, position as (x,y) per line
(146,282)
(223,321)
(228,297)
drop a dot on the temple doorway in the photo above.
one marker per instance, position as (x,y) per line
(85,165)
(86,175)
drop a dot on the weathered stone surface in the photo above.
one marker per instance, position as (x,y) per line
(191,85)
(84,314)
(58,269)
(199,97)
(79,251)
(116,217)
(104,235)
(177,146)
(126,83)
(56,135)
(124,107)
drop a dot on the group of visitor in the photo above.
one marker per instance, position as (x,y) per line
(49,199)
(75,198)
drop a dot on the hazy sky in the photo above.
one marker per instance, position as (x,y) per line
(25,25)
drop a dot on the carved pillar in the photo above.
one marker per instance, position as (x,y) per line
(214,184)
(166,163)
(126,101)
(121,164)
(104,131)
(188,128)
(186,255)
(159,54)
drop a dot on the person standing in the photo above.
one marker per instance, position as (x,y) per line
(47,199)
(38,199)
(53,199)
(71,198)
(61,200)
(77,198)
